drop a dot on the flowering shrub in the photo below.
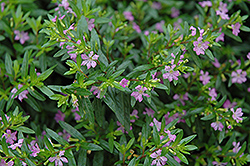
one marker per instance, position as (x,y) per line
(124,83)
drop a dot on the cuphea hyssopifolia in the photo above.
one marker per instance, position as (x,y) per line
(123,63)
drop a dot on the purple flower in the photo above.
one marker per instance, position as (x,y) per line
(174,12)
(2,6)
(172,137)
(205,3)
(96,91)
(159,26)
(237,114)
(10,137)
(134,116)
(59,116)
(149,112)
(122,128)
(222,11)
(181,98)
(204,77)
(212,94)
(22,36)
(177,159)
(171,74)
(138,95)
(199,46)
(18,144)
(219,163)
(34,148)
(54,19)
(65,4)
(159,160)
(136,27)
(3,163)
(186,75)
(89,60)
(124,83)
(193,29)
(228,104)
(248,56)
(221,37)
(217,125)
(22,95)
(239,76)
(76,113)
(59,159)
(237,147)
(91,24)
(236,28)
(70,28)
(65,135)
(128,15)
(156,5)
(175,116)
(216,63)
(157,124)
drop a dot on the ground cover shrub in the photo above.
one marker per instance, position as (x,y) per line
(141,82)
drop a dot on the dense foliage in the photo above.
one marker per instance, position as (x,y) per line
(99,82)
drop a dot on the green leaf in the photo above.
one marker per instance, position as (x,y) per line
(221,135)
(56,137)
(182,157)
(102,20)
(209,54)
(33,103)
(98,158)
(245,28)
(171,161)
(2,37)
(196,58)
(91,146)
(71,130)
(187,139)
(171,124)
(190,147)
(120,105)
(70,156)
(82,157)
(130,143)
(24,69)
(117,73)
(228,144)
(124,65)
(208,117)
(46,91)
(160,86)
(132,162)
(60,53)
(230,34)
(48,144)
(25,130)
(82,26)
(8,63)
(29,162)
(221,102)
(144,67)
(88,108)
(201,10)
(37,95)
(94,39)
(46,73)
(156,136)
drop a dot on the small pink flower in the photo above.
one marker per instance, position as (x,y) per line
(205,3)
(200,46)
(19,144)
(219,163)
(91,24)
(33,146)
(248,56)
(217,125)
(22,95)
(89,60)
(171,74)
(174,12)
(159,26)
(3,163)
(10,137)
(237,114)
(156,5)
(136,27)
(222,11)
(54,19)
(204,77)
(181,98)
(59,116)
(128,15)
(193,29)
(124,82)
(96,91)
(138,95)
(134,115)
(159,160)
(236,28)
(59,159)
(122,128)
(149,112)
(239,76)
(22,36)
(212,94)
(65,135)
(228,104)
(216,63)
(157,124)
(76,113)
